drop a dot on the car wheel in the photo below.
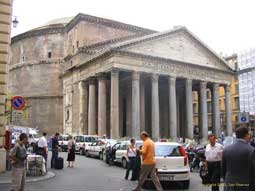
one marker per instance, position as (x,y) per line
(185,184)
(104,156)
(86,153)
(124,163)
(100,155)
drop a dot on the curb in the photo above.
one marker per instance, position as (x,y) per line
(48,176)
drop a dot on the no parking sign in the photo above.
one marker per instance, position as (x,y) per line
(18,102)
(244,117)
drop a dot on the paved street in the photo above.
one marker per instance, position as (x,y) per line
(92,175)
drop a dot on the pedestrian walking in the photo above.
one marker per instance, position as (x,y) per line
(213,154)
(149,163)
(55,148)
(131,156)
(238,163)
(71,151)
(18,156)
(43,148)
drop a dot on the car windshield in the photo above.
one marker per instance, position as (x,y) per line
(63,138)
(167,150)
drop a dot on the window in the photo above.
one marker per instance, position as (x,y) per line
(23,58)
(49,54)
(236,88)
(237,104)
(195,108)
(167,151)
(236,118)
(77,44)
(67,115)
(73,48)
(209,107)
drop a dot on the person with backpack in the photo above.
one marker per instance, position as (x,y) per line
(71,152)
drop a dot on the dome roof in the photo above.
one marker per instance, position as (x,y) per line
(61,22)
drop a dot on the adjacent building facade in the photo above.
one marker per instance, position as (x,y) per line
(235,103)
(246,63)
(5,32)
(116,79)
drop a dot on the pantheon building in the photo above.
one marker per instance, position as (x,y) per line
(90,75)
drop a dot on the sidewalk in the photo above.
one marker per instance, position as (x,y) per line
(5,178)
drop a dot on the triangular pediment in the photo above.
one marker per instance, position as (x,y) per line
(180,45)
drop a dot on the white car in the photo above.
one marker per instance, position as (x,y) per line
(82,141)
(95,149)
(63,141)
(172,163)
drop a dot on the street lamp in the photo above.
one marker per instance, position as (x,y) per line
(15,22)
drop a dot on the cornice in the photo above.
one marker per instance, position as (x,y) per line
(37,32)
(145,57)
(75,21)
(99,46)
(25,64)
(44,96)
(105,22)
(167,60)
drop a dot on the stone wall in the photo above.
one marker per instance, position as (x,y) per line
(35,74)
(45,113)
(86,33)
(35,49)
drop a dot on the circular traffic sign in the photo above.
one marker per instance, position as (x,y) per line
(18,102)
(243,119)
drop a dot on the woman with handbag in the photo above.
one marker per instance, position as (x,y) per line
(131,156)
(71,152)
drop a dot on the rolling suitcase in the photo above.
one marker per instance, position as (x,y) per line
(59,163)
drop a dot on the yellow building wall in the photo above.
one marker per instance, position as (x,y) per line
(234,103)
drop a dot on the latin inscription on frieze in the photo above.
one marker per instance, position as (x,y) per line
(186,71)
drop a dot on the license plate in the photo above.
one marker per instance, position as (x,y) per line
(166,178)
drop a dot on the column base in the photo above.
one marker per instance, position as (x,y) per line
(2,160)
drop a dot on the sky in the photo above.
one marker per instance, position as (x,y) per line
(226,26)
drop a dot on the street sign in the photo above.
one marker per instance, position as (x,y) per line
(17,116)
(18,102)
(244,117)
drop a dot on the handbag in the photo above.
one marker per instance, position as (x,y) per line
(203,172)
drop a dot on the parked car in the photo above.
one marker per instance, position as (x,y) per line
(95,149)
(63,141)
(107,149)
(82,141)
(172,163)
(119,151)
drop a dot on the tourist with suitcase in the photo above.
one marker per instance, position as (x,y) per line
(55,148)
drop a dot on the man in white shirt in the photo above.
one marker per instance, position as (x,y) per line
(213,154)
(43,147)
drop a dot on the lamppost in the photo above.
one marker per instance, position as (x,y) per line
(15,22)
